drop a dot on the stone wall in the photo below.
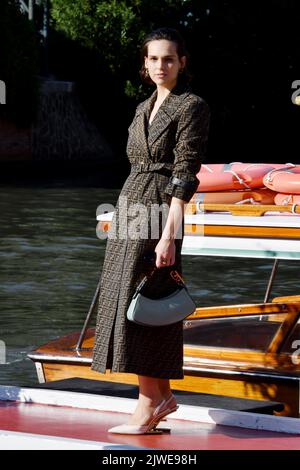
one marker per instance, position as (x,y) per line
(62,130)
(15,143)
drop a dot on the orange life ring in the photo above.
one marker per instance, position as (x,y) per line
(286,199)
(284,180)
(232,176)
(258,196)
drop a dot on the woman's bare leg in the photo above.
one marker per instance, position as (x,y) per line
(152,392)
(164,386)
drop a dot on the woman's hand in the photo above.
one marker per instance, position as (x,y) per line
(165,253)
(166,249)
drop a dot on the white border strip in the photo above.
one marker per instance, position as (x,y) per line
(127,405)
(11,440)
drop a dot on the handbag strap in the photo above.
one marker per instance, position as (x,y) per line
(174,275)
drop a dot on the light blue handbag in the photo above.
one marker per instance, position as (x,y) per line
(164,311)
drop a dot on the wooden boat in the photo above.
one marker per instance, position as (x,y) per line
(246,351)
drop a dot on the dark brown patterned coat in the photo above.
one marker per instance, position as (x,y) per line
(171,146)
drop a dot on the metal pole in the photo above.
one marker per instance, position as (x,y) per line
(88,318)
(45,34)
(271,280)
(30,9)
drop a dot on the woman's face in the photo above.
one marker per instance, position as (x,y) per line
(163,63)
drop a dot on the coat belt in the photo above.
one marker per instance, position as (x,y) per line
(163,168)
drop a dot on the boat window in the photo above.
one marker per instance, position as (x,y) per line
(255,332)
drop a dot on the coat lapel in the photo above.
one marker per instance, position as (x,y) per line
(163,117)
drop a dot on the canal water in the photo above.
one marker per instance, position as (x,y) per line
(50,263)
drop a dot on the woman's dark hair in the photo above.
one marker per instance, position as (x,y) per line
(169,34)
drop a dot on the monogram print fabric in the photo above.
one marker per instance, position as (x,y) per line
(165,157)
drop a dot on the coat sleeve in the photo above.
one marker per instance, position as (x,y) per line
(191,140)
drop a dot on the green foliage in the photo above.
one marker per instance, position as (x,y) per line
(131,90)
(107,26)
(115,29)
(18,63)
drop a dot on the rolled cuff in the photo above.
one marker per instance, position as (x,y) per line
(182,189)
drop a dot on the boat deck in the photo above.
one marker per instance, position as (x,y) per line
(91,426)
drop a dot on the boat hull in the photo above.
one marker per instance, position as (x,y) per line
(225,375)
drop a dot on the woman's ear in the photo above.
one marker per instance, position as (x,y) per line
(183,61)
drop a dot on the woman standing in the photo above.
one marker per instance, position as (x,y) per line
(166,143)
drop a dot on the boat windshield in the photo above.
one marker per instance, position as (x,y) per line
(254,333)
